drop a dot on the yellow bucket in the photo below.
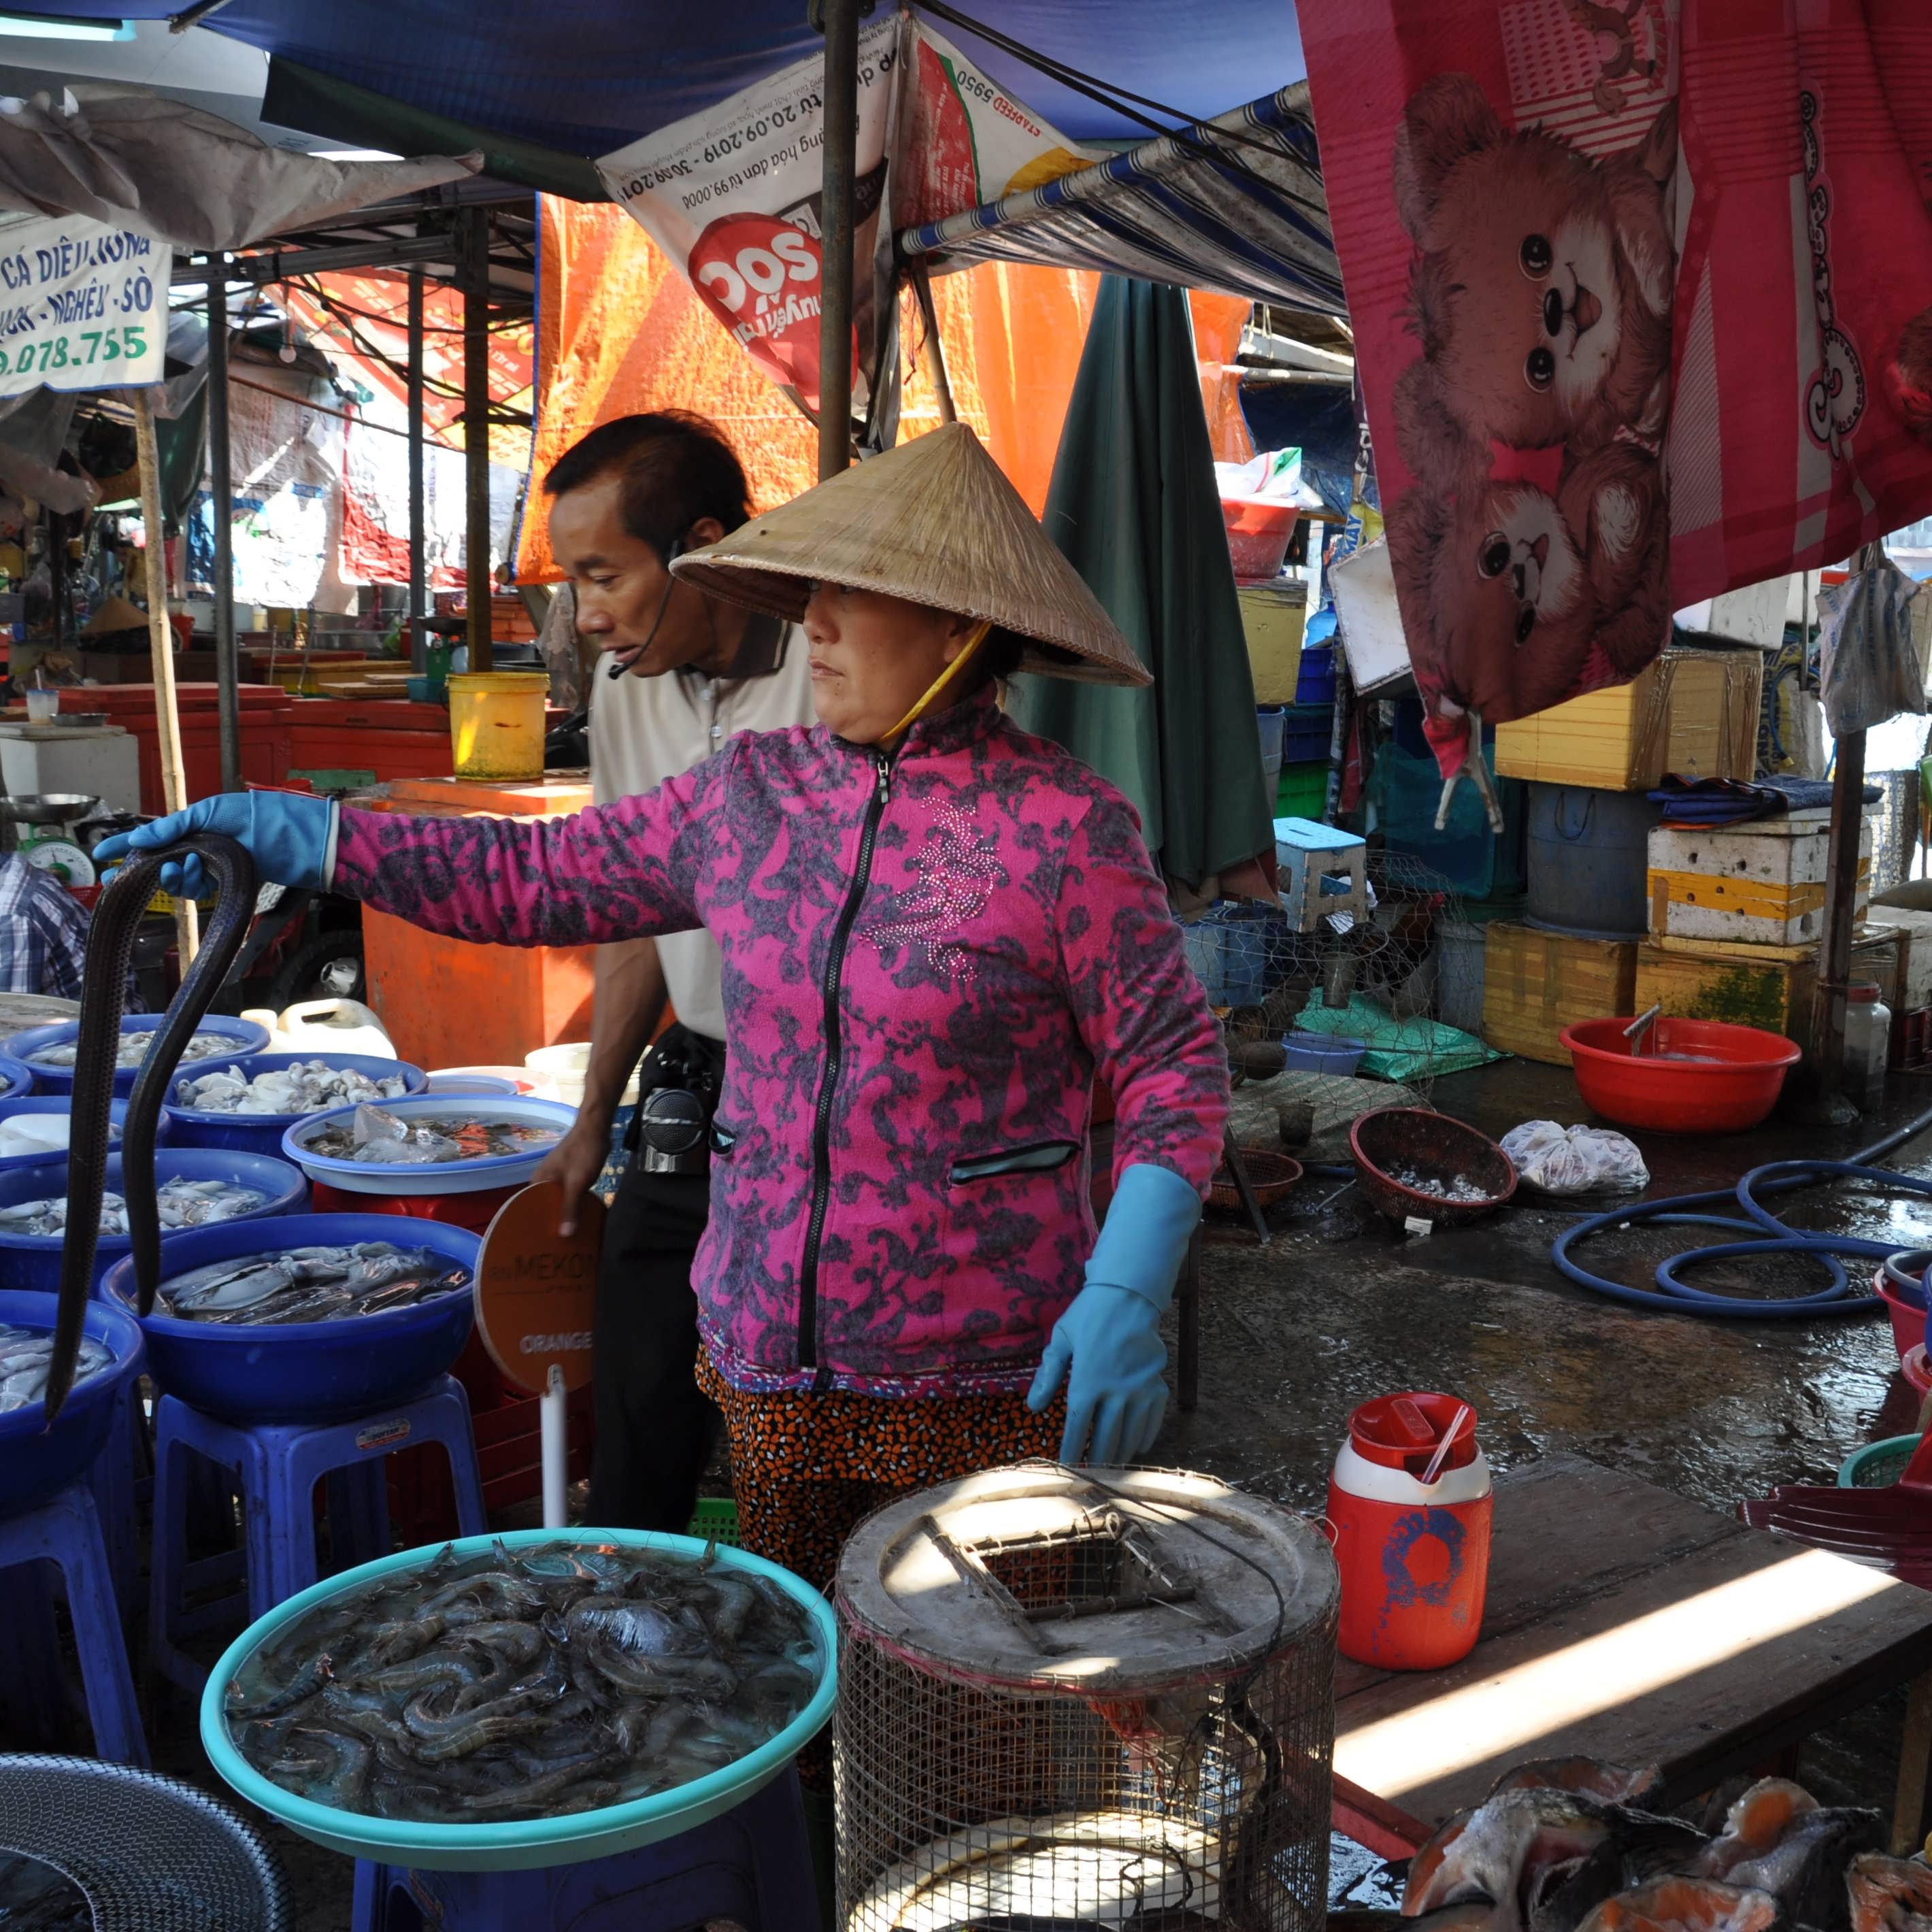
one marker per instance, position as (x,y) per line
(496,723)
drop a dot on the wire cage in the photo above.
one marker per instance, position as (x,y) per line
(1385,969)
(1084,1697)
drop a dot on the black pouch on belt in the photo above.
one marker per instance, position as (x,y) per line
(678,1088)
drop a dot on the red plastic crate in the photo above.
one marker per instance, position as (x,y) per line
(1911,1041)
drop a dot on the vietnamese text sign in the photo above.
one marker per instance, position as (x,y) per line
(83,306)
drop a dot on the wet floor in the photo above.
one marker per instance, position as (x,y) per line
(1340,1306)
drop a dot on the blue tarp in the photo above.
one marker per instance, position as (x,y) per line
(1235,204)
(588,76)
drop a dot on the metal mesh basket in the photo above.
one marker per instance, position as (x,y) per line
(150,1854)
(1084,1697)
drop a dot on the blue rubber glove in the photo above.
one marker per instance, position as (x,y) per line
(1109,1338)
(291,838)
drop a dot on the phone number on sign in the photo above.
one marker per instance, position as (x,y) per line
(76,351)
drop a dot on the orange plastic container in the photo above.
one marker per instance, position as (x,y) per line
(1414,1558)
(1259,532)
(390,736)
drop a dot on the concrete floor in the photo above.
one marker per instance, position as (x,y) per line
(1339,1306)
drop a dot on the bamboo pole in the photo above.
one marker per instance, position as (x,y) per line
(160,645)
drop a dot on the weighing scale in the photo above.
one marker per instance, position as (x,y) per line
(42,828)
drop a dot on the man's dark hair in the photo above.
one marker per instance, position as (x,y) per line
(675,469)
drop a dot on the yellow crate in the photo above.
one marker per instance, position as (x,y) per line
(1776,994)
(1272,616)
(1536,983)
(1694,713)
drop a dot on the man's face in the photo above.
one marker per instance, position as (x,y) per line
(621,582)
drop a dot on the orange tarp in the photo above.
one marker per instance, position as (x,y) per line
(620,330)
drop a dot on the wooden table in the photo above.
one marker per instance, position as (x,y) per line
(1626,1623)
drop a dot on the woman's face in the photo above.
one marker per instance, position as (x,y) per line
(873,657)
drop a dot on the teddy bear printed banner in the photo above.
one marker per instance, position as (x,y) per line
(1625,343)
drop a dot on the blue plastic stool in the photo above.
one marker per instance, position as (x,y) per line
(65,1531)
(114,1477)
(275,1467)
(752,1865)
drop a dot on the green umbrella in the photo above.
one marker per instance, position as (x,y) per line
(1134,507)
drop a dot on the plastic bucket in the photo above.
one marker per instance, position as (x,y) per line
(33,1261)
(1589,861)
(247,1035)
(302,1371)
(262,1133)
(1258,531)
(481,1080)
(36,1461)
(496,723)
(61,1103)
(521,1844)
(1459,977)
(1414,1558)
(1898,1282)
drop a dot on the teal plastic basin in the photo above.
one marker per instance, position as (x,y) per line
(1878,1464)
(530,1844)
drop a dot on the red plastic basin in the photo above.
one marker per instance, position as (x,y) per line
(1908,1316)
(1258,531)
(1731,1089)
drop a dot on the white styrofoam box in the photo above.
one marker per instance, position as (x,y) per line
(1914,955)
(1373,639)
(1753,615)
(1759,884)
(103,760)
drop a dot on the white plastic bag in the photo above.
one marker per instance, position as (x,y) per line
(1576,1160)
(1868,667)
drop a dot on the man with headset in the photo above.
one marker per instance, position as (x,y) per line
(678,674)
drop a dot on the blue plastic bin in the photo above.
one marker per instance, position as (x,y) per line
(61,1103)
(1307,732)
(1315,683)
(1331,1053)
(33,1261)
(303,1371)
(247,1035)
(35,1461)
(262,1133)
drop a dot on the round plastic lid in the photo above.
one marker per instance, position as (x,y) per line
(1403,1431)
(1086,1580)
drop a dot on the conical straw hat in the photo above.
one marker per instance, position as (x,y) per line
(934,520)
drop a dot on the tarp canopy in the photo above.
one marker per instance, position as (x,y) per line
(1234,204)
(586,78)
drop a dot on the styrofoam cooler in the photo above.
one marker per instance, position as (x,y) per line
(1414,1557)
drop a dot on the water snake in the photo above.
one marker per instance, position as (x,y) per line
(110,947)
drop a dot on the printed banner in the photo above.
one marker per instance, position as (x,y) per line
(83,306)
(1589,246)
(732,195)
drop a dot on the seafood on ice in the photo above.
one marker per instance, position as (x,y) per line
(1460,1189)
(375,1134)
(1562,1846)
(134,1049)
(183,1204)
(308,1086)
(312,1284)
(24,1353)
(40,1133)
(557,1677)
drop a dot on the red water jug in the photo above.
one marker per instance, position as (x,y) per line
(1414,1556)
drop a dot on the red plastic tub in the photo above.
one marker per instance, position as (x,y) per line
(1916,1372)
(1258,530)
(1732,1087)
(1901,1288)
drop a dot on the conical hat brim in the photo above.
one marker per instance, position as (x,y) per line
(934,520)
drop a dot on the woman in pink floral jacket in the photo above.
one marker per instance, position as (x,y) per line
(936,931)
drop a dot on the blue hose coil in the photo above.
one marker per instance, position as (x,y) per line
(1766,1233)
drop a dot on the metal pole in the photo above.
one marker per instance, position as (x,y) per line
(839,166)
(476,434)
(161,648)
(932,350)
(418,609)
(221,504)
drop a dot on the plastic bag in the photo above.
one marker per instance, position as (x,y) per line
(1575,1160)
(1868,667)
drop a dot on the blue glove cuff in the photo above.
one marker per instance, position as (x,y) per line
(1144,1239)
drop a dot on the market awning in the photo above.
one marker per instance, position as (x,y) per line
(1235,204)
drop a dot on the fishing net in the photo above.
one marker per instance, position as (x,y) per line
(149,1854)
(1398,974)
(1082,1698)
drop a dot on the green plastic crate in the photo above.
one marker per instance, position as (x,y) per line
(715,1520)
(1303,791)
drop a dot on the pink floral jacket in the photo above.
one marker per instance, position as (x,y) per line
(925,961)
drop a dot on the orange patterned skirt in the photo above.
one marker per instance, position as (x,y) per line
(807,1469)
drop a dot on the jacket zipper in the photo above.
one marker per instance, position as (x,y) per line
(821,1133)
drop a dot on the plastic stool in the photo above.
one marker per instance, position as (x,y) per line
(114,1477)
(752,1866)
(275,1466)
(65,1531)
